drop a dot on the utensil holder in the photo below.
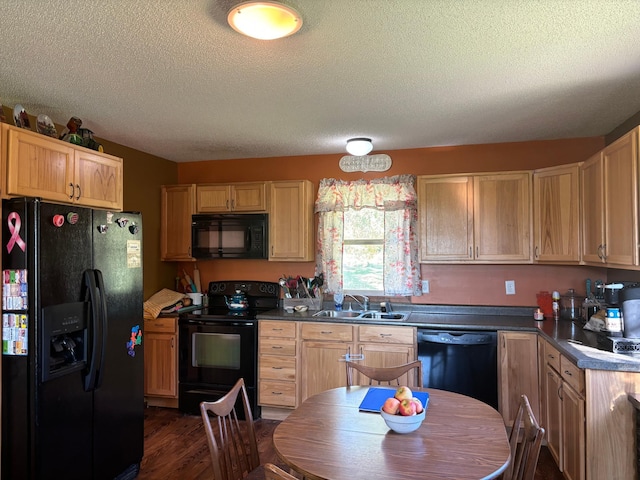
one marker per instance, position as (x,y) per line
(312,303)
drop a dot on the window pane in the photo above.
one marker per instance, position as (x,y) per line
(362,267)
(365,224)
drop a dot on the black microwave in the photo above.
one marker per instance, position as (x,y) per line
(229,236)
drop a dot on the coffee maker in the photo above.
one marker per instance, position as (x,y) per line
(630,302)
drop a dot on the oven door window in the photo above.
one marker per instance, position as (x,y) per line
(218,354)
(216,350)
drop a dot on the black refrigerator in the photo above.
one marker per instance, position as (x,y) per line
(72,363)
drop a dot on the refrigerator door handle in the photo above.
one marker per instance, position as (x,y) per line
(103,325)
(95,295)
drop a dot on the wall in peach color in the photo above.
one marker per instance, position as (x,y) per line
(450,284)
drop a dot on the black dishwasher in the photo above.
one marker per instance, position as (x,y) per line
(460,361)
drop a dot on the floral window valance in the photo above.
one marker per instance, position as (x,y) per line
(396,196)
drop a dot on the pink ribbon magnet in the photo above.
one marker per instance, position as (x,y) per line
(14,222)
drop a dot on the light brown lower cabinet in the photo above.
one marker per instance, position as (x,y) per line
(299,359)
(517,372)
(161,361)
(565,413)
(277,364)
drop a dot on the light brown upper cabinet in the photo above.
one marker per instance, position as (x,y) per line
(556,214)
(41,166)
(178,203)
(235,197)
(291,233)
(610,204)
(475,218)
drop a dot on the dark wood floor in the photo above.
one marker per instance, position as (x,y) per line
(175,448)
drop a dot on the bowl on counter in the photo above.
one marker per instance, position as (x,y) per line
(401,423)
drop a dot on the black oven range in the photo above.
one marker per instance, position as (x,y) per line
(219,344)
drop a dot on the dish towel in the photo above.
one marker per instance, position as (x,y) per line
(160,300)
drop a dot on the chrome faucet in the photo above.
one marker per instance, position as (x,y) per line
(364,304)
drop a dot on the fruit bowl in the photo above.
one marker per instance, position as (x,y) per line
(401,423)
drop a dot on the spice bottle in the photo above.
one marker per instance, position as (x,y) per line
(555,305)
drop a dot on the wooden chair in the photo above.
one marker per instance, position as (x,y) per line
(525,450)
(234,453)
(272,472)
(383,374)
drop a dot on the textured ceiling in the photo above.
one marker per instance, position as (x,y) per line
(171,78)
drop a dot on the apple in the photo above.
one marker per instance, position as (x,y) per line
(418,403)
(407,408)
(403,393)
(391,406)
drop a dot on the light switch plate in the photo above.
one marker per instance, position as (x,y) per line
(510,287)
(425,286)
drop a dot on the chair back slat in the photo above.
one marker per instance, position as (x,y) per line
(234,450)
(388,375)
(525,441)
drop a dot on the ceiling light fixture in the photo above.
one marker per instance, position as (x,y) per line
(264,20)
(359,146)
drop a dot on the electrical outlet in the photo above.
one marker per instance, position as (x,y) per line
(425,286)
(510,287)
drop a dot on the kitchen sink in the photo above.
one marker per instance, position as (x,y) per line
(366,315)
(384,315)
(337,313)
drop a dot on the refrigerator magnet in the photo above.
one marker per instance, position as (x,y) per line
(15,223)
(135,339)
(58,220)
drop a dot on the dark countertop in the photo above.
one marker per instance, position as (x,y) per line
(569,337)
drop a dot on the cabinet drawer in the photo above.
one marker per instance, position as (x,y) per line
(282,394)
(572,374)
(277,329)
(327,331)
(161,325)
(276,346)
(552,356)
(384,334)
(277,368)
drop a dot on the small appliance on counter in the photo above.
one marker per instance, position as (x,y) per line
(623,309)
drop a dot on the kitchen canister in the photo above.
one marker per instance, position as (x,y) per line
(613,321)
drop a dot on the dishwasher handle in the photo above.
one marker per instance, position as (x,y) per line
(457,337)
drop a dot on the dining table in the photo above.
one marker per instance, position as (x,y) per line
(329,437)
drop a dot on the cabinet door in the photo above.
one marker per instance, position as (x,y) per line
(291,221)
(213,198)
(517,373)
(592,195)
(445,207)
(553,421)
(621,200)
(573,434)
(177,206)
(250,197)
(323,367)
(502,218)
(98,180)
(160,369)
(38,166)
(557,214)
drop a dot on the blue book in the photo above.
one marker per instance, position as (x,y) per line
(375,398)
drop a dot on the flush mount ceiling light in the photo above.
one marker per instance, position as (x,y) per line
(359,146)
(264,20)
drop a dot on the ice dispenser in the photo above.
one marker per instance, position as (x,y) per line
(630,300)
(64,339)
